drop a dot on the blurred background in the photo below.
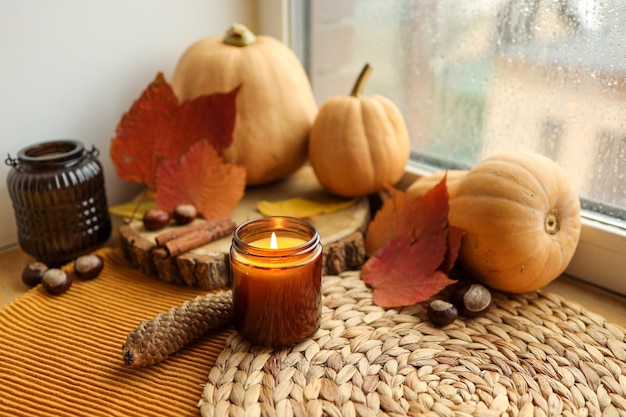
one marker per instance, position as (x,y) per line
(471,78)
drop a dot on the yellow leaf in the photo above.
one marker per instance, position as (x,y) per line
(301,207)
(135,208)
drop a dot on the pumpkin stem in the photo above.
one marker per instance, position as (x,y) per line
(359,84)
(239,35)
(551,224)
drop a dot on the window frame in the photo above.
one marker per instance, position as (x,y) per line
(600,257)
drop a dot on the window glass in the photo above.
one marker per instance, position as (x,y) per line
(480,76)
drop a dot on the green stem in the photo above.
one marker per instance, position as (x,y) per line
(239,35)
(361,80)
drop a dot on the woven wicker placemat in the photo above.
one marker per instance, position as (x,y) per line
(532,355)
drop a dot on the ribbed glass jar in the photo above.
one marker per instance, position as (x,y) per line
(276,285)
(59,200)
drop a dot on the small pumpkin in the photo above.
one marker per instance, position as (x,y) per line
(521,219)
(275,104)
(422,185)
(358,144)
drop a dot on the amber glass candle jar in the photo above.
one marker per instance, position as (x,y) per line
(276,283)
(59,200)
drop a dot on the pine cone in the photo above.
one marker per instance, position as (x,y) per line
(154,340)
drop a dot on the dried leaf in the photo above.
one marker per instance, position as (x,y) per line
(405,271)
(402,214)
(157,127)
(302,207)
(133,209)
(411,248)
(455,236)
(200,177)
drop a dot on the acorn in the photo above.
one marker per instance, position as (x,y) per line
(33,273)
(88,266)
(472,300)
(184,214)
(56,281)
(441,312)
(155,219)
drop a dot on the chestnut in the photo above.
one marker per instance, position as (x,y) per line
(185,214)
(155,219)
(33,273)
(441,313)
(88,266)
(472,300)
(56,281)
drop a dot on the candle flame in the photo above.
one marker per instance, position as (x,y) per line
(273,241)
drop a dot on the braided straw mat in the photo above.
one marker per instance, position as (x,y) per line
(534,354)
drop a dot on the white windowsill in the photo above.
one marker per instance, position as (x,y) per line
(600,257)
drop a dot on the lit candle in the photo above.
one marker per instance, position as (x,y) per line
(274,242)
(276,270)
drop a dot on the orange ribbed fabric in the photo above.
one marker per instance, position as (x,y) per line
(62,355)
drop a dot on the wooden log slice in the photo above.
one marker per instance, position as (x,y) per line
(341,232)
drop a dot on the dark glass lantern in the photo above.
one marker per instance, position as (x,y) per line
(58,195)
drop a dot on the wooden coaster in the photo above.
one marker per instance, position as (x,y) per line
(207,266)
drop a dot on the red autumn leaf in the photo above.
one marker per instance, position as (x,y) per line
(158,127)
(455,236)
(200,177)
(405,271)
(401,214)
(412,248)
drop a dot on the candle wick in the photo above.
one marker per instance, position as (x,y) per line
(273,241)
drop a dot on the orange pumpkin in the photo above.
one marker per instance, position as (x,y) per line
(358,144)
(275,104)
(422,185)
(521,219)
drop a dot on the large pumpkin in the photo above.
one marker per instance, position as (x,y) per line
(275,104)
(521,219)
(358,143)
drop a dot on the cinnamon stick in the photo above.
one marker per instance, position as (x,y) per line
(176,232)
(194,238)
